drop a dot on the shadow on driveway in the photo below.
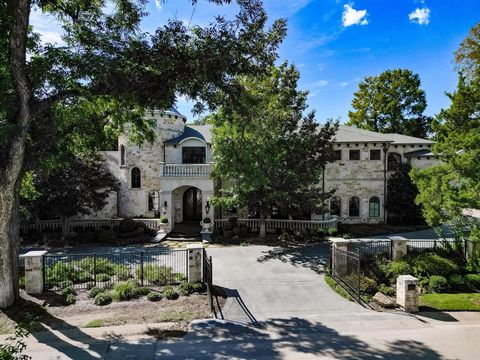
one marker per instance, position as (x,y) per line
(294,338)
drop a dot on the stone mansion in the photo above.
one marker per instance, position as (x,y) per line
(172,176)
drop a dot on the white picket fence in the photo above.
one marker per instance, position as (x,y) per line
(69,225)
(273,224)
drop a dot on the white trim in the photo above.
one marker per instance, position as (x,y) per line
(191,138)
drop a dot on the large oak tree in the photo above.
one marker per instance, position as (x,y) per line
(109,69)
(269,151)
(392,102)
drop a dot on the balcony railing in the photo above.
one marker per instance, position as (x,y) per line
(185,169)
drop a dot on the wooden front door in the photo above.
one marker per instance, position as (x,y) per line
(192,205)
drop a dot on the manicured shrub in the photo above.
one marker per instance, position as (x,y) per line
(164,220)
(433,264)
(185,288)
(143,290)
(170,293)
(59,272)
(198,287)
(94,292)
(456,282)
(69,290)
(65,284)
(332,231)
(69,299)
(126,291)
(100,265)
(387,290)
(472,281)
(437,283)
(123,272)
(397,268)
(156,274)
(368,285)
(103,299)
(154,296)
(82,277)
(321,233)
(103,277)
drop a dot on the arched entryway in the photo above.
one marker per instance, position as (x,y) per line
(192,204)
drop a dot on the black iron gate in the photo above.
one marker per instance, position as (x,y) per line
(208,277)
(345,269)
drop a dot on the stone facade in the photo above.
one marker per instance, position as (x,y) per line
(360,171)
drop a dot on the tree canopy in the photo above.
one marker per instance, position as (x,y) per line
(448,188)
(271,155)
(392,102)
(110,71)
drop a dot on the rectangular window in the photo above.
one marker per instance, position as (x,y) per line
(193,155)
(354,155)
(337,155)
(375,154)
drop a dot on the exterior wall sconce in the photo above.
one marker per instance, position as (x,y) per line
(207,207)
(165,204)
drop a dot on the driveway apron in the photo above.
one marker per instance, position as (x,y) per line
(265,282)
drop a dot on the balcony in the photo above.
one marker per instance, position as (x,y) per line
(176,170)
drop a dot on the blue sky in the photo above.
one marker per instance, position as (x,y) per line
(336,43)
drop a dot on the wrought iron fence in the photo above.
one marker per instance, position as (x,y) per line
(83,271)
(346,270)
(208,277)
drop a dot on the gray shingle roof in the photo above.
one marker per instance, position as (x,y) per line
(350,134)
(420,153)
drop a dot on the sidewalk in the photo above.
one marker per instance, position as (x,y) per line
(358,336)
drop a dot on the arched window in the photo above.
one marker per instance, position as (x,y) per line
(153,201)
(335,206)
(393,160)
(136,178)
(374,207)
(122,155)
(354,207)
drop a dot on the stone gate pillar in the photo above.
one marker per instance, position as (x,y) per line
(399,247)
(195,262)
(34,271)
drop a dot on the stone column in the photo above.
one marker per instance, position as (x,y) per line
(407,293)
(34,272)
(399,247)
(195,262)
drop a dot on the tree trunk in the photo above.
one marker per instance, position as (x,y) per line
(263,231)
(11,169)
(9,240)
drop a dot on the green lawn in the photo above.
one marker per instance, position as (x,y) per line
(450,302)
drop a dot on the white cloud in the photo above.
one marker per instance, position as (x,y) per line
(351,16)
(319,83)
(158,4)
(47,26)
(420,16)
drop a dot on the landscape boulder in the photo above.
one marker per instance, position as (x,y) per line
(383,300)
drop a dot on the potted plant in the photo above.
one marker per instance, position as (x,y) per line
(163,223)
(207,224)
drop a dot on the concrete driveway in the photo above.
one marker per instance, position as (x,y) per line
(267,282)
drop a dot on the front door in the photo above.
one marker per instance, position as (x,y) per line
(192,205)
